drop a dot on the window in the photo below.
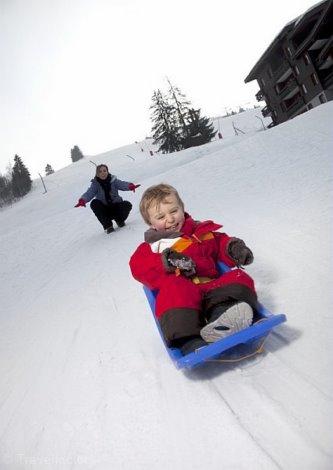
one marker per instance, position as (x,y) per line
(306,59)
(322,98)
(304,89)
(314,79)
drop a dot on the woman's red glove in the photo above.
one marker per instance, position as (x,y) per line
(81,203)
(132,187)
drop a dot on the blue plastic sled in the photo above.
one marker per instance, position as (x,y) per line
(233,348)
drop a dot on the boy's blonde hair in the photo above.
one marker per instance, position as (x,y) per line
(154,196)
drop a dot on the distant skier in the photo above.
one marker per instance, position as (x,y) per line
(195,305)
(106,203)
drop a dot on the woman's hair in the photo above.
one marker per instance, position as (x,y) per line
(154,195)
(98,167)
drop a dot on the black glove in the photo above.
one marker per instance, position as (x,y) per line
(239,252)
(173,260)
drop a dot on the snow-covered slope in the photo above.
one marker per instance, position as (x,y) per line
(85,380)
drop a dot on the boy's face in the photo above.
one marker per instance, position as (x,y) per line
(168,215)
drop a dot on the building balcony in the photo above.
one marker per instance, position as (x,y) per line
(325,56)
(327,79)
(290,89)
(282,73)
(294,106)
(266,111)
(325,63)
(260,95)
(318,44)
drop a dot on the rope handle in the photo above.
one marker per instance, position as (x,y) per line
(259,350)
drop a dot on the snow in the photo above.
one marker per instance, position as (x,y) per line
(85,379)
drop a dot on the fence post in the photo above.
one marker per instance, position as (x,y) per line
(45,190)
(262,122)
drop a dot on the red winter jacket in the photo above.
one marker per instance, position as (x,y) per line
(199,240)
(182,303)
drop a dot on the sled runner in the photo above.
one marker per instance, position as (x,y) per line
(233,348)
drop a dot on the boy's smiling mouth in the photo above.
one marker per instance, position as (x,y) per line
(172,227)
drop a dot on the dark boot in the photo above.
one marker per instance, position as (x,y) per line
(120,223)
(110,229)
(189,344)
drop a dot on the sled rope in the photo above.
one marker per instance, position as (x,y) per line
(259,350)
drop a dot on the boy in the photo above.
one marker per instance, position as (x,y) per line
(195,305)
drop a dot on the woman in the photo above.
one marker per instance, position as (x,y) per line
(106,203)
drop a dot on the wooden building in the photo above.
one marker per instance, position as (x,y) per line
(295,73)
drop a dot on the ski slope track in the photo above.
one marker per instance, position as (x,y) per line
(85,381)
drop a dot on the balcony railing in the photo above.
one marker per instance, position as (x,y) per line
(260,95)
(266,111)
(297,104)
(325,63)
(282,73)
(324,54)
(327,79)
(291,84)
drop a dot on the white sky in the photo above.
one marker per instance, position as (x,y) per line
(82,72)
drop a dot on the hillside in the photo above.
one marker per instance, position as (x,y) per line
(85,380)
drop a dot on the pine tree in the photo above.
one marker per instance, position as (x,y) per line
(200,129)
(6,195)
(21,180)
(76,154)
(49,170)
(195,130)
(176,124)
(165,130)
(180,107)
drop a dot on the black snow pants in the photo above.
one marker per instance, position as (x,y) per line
(117,211)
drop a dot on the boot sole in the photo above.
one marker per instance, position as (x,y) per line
(236,318)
